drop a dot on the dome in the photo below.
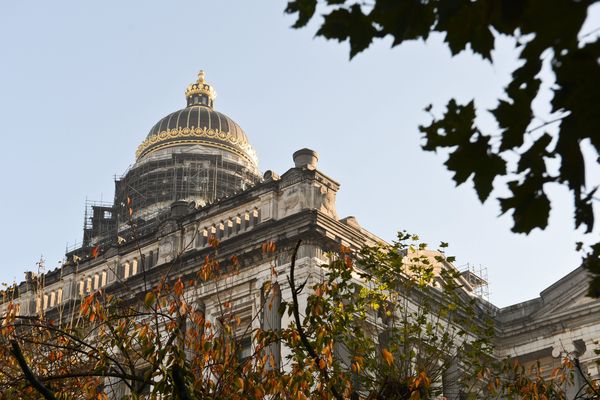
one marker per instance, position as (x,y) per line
(195,154)
(198,123)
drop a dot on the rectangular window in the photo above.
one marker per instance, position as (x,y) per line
(244,348)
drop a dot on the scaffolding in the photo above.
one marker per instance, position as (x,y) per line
(99,222)
(155,184)
(147,190)
(477,277)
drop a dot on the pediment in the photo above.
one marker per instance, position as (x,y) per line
(569,294)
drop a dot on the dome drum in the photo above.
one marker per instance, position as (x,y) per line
(193,154)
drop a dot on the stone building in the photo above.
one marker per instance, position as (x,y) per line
(196,176)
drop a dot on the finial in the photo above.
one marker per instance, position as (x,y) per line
(200,93)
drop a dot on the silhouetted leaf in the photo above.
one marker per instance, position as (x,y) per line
(466,22)
(546,33)
(456,127)
(352,24)
(515,116)
(584,211)
(529,203)
(305,10)
(591,262)
(476,159)
(404,20)
(533,158)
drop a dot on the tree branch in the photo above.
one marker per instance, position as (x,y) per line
(39,386)
(295,309)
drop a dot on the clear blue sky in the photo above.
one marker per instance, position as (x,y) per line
(81,84)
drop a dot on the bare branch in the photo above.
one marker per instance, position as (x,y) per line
(295,309)
(35,382)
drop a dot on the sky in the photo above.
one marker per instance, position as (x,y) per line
(82,83)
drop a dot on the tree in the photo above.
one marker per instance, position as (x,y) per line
(387,322)
(545,33)
(141,345)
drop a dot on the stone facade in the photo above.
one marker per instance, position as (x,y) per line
(299,204)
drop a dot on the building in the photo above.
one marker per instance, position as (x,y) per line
(196,176)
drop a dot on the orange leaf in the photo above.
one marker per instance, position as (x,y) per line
(95,251)
(178,287)
(387,356)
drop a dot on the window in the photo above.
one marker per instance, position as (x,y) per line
(104,278)
(126,270)
(244,348)
(96,281)
(59,295)
(52,298)
(134,267)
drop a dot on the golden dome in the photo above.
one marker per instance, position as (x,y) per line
(198,123)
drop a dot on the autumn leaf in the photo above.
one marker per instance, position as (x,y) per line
(178,287)
(387,356)
(149,300)
(95,251)
(322,363)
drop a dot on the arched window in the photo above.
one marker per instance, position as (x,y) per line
(126,270)
(96,281)
(103,279)
(52,298)
(150,260)
(59,294)
(134,267)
